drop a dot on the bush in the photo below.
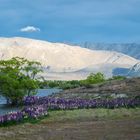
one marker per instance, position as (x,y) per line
(93,79)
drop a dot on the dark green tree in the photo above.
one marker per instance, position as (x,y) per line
(18,78)
(95,78)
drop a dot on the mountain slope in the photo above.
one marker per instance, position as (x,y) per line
(61,58)
(134,71)
(131,49)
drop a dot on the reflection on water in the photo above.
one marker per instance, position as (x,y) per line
(2,100)
(46,92)
(41,92)
(5,109)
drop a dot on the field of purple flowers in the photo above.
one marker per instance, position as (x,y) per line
(36,107)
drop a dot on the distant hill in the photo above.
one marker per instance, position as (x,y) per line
(131,49)
(65,62)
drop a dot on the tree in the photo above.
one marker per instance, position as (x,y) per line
(18,78)
(93,79)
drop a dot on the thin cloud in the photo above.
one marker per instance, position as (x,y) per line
(30,29)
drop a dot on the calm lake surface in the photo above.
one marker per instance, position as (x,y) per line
(41,92)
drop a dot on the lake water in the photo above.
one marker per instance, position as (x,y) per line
(41,92)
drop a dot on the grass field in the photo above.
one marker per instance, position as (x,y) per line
(93,114)
(80,124)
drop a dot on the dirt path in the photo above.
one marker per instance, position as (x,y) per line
(75,130)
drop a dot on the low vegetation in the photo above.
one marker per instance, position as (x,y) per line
(90,80)
(37,107)
(91,114)
(79,114)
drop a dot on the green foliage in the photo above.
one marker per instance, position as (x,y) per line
(88,82)
(93,79)
(18,78)
(118,77)
(60,84)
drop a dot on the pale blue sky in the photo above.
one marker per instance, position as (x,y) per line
(71,20)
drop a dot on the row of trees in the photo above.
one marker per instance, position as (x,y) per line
(18,78)
(91,79)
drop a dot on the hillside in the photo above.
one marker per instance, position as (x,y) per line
(114,88)
(61,61)
(131,49)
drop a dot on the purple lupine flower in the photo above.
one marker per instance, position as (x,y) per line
(36,107)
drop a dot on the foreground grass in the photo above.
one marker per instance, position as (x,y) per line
(82,115)
(66,123)
(92,114)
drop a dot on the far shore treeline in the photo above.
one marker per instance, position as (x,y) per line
(88,82)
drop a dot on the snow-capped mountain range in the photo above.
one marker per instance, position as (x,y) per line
(65,62)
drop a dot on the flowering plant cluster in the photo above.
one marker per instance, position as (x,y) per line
(15,116)
(32,112)
(61,103)
(35,111)
(35,107)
